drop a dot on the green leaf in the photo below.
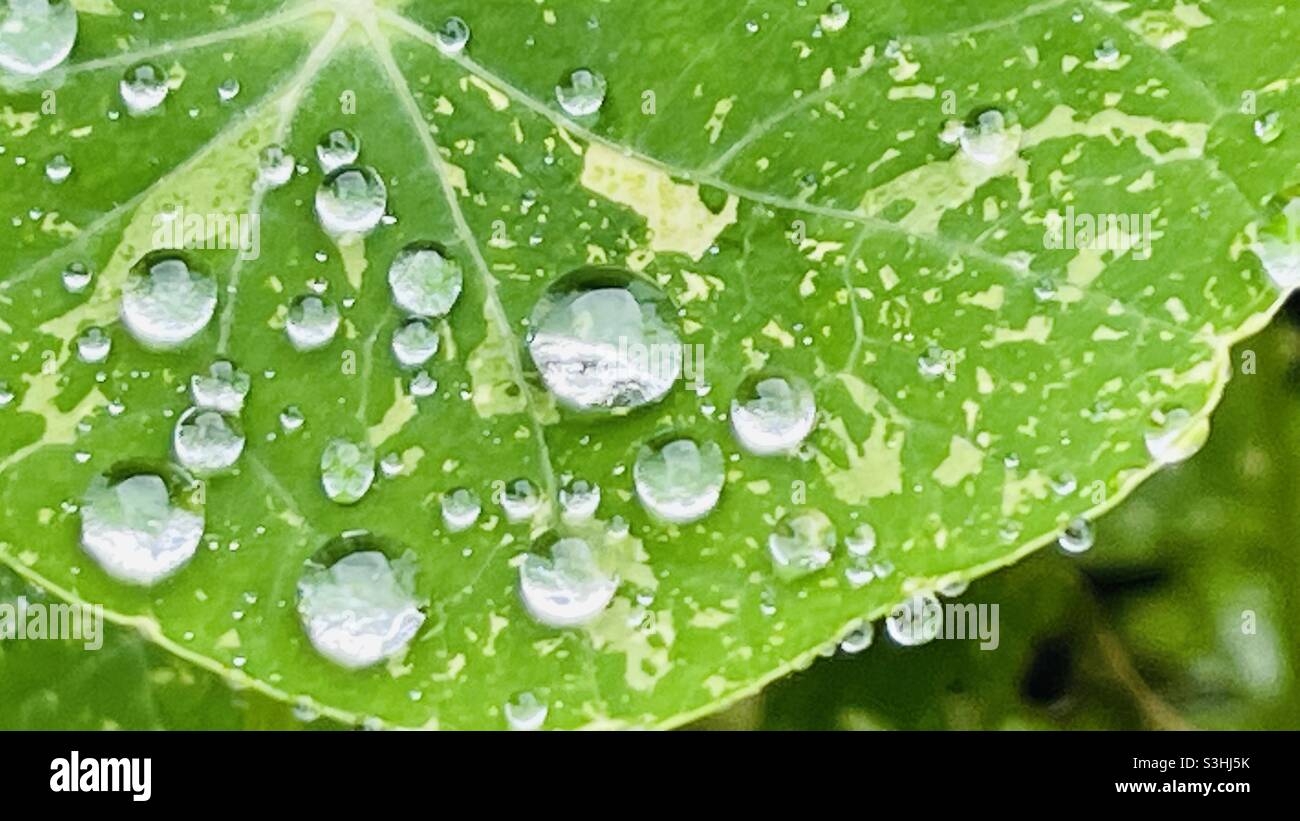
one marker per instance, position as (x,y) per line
(778,175)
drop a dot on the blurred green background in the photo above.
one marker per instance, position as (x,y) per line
(1182,615)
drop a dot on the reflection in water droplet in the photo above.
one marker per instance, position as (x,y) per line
(224,388)
(1278,243)
(36,35)
(205,441)
(93,345)
(772,414)
(802,543)
(274,167)
(916,621)
(143,87)
(76,278)
(291,419)
(351,200)
(165,302)
(525,712)
(1268,128)
(602,339)
(581,93)
(57,169)
(1176,436)
(136,528)
(312,322)
(988,141)
(520,500)
(1077,537)
(415,342)
(347,470)
(424,280)
(452,35)
(679,481)
(361,608)
(579,499)
(567,589)
(1106,51)
(460,509)
(337,148)
(228,90)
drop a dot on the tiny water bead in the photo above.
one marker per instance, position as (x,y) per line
(569,587)
(1268,128)
(525,712)
(802,543)
(460,509)
(581,92)
(424,280)
(36,35)
(579,499)
(987,140)
(224,388)
(166,302)
(136,528)
(228,90)
(520,499)
(452,35)
(1278,243)
(679,481)
(143,88)
(58,169)
(351,200)
(93,345)
(415,342)
(772,414)
(603,339)
(291,419)
(274,167)
(347,470)
(1078,536)
(858,639)
(337,148)
(916,621)
(422,384)
(312,322)
(361,608)
(1175,436)
(76,277)
(835,17)
(206,441)
(862,541)
(1106,51)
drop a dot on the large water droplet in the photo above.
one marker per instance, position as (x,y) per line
(525,712)
(312,322)
(987,140)
(337,148)
(206,441)
(425,281)
(1278,244)
(772,414)
(601,338)
(360,607)
(679,481)
(916,621)
(137,529)
(351,200)
(1176,435)
(347,469)
(460,509)
(415,342)
(165,302)
(568,588)
(224,388)
(802,543)
(36,35)
(143,87)
(452,35)
(582,92)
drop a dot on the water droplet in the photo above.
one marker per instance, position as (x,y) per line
(312,322)
(460,509)
(802,543)
(916,621)
(143,87)
(1268,128)
(415,342)
(579,499)
(953,587)
(987,140)
(223,389)
(206,441)
(7,395)
(93,345)
(165,302)
(520,500)
(347,469)
(1077,537)
(525,712)
(1064,484)
(274,167)
(452,35)
(76,278)
(422,385)
(602,338)
(1175,436)
(1106,51)
(935,362)
(581,93)
(36,35)
(351,200)
(679,481)
(835,17)
(360,608)
(137,529)
(861,541)
(337,148)
(772,414)
(291,419)
(425,281)
(228,90)
(1278,244)
(567,589)
(858,639)
(58,169)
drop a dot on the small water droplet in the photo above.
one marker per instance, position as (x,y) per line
(291,419)
(206,441)
(76,278)
(679,481)
(143,87)
(274,167)
(936,362)
(835,17)
(36,35)
(452,35)
(1063,484)
(1077,537)
(916,621)
(347,470)
(520,500)
(525,712)
(228,90)
(1175,436)
(351,200)
(1106,51)
(415,342)
(460,509)
(93,345)
(312,322)
(579,499)
(224,388)
(772,414)
(337,148)
(987,140)
(861,541)
(569,587)
(422,384)
(581,93)
(166,302)
(858,639)
(137,528)
(1278,243)
(1268,128)
(424,280)
(802,543)
(7,395)
(57,169)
